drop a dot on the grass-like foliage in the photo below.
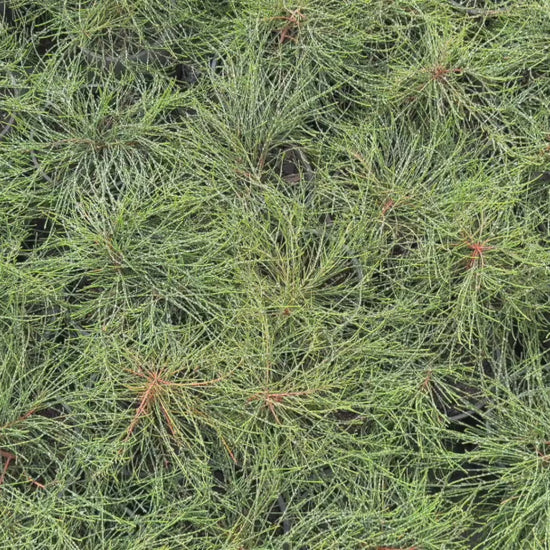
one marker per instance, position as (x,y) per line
(274,275)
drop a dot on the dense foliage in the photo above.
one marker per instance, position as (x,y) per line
(274,275)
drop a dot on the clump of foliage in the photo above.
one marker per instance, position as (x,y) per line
(274,274)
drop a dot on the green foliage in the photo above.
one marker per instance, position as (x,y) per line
(274,275)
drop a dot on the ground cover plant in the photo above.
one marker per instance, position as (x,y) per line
(274,275)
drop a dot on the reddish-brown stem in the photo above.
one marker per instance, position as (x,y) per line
(150,393)
(168,420)
(440,73)
(478,249)
(271,407)
(293,21)
(20,419)
(9,457)
(390,203)
(425,386)
(228,449)
(37,483)
(146,399)
(271,399)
